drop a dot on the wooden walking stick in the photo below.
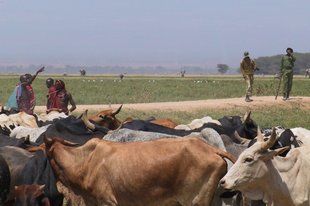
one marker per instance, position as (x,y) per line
(278,88)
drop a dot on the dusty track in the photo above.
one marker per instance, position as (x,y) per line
(191,105)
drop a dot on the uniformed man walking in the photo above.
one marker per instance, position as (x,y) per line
(286,72)
(247,68)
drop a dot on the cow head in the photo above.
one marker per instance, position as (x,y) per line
(30,195)
(252,166)
(249,128)
(107,118)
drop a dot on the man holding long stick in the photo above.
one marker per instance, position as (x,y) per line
(286,71)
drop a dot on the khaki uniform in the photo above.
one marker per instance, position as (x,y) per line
(247,66)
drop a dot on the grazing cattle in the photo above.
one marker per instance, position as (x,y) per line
(74,130)
(20,119)
(197,123)
(230,121)
(5,180)
(248,129)
(160,172)
(50,115)
(9,111)
(33,133)
(108,119)
(23,142)
(165,122)
(16,159)
(233,148)
(6,130)
(260,174)
(286,139)
(302,135)
(37,172)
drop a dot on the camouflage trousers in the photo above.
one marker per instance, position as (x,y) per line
(287,80)
(249,80)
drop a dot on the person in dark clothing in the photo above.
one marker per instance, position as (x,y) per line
(51,93)
(286,72)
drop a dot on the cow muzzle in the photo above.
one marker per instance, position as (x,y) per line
(226,185)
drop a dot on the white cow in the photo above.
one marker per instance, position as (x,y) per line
(260,174)
(196,123)
(22,131)
(302,135)
(21,118)
(53,114)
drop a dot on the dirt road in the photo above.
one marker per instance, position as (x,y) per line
(191,105)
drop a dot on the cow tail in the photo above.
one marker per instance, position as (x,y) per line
(227,155)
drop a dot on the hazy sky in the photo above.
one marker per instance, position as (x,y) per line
(174,32)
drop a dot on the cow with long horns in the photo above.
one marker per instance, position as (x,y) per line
(260,174)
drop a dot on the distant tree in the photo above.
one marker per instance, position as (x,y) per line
(222,68)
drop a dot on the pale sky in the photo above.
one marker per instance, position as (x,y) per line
(158,32)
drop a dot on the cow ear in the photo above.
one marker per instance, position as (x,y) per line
(268,155)
(281,150)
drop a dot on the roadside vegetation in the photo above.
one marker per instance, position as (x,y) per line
(106,89)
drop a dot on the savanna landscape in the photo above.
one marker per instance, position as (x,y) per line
(177,98)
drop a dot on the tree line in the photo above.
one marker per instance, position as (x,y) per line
(267,65)
(271,65)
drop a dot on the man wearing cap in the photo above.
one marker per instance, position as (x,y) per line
(286,71)
(247,68)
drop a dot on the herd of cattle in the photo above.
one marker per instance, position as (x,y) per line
(55,159)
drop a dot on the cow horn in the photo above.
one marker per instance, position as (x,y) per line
(27,139)
(70,143)
(266,145)
(87,122)
(41,187)
(260,137)
(2,110)
(9,109)
(47,140)
(247,117)
(117,111)
(119,127)
(241,139)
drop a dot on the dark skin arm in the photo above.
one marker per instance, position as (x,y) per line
(70,99)
(25,94)
(34,76)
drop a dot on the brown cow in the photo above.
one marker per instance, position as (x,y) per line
(108,119)
(182,171)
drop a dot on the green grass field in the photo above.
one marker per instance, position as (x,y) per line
(106,89)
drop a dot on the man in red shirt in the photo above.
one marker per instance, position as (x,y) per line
(62,98)
(25,95)
(51,93)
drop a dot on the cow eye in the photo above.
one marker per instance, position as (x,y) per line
(248,159)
